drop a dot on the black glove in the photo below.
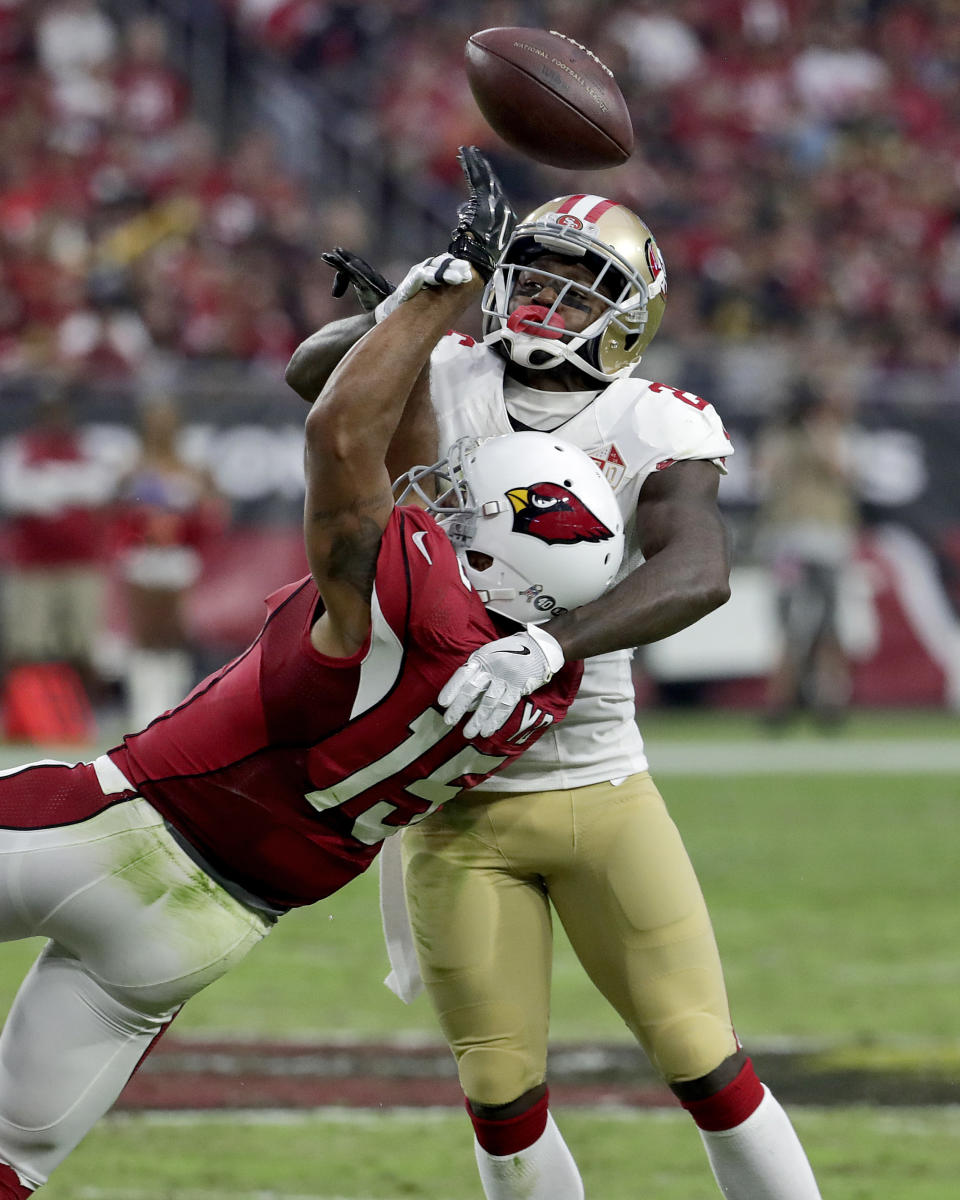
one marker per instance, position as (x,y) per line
(369,285)
(486,221)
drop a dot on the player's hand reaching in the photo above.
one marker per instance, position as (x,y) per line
(496,677)
(432,272)
(369,286)
(486,220)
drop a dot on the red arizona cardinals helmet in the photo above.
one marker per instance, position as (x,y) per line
(540,510)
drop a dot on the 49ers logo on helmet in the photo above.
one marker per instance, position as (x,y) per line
(569,220)
(655,263)
(553,514)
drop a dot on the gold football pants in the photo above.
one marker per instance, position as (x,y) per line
(481,875)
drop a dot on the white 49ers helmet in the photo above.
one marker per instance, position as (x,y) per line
(535,525)
(629,278)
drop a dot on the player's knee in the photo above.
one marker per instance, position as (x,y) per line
(509,1128)
(691,1047)
(13,1186)
(724,1097)
(496,1077)
(22,1153)
(533,1098)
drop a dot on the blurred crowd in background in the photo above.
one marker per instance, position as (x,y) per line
(171,171)
(798,161)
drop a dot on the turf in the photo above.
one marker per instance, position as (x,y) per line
(858,1154)
(681,724)
(833,902)
(831,898)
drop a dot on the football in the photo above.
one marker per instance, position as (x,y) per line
(549,97)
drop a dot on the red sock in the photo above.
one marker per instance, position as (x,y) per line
(515,1133)
(10,1186)
(731,1105)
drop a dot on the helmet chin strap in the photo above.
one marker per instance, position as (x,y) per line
(528,350)
(539,354)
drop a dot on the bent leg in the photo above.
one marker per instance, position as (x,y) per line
(482,927)
(636,918)
(66,1052)
(635,915)
(135,929)
(484,943)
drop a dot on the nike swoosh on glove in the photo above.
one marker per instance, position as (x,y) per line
(496,677)
(432,272)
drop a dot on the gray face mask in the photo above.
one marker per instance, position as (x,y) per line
(534,336)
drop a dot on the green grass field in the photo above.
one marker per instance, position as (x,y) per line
(859,1154)
(833,898)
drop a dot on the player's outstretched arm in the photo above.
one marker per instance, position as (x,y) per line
(685,574)
(485,222)
(348,432)
(353,421)
(684,577)
(314,359)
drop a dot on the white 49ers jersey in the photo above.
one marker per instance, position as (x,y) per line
(632,428)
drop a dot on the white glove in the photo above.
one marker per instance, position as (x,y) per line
(432,272)
(495,677)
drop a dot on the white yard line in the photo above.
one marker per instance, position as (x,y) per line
(884,1117)
(819,756)
(98,1193)
(332,1115)
(914,1122)
(759,756)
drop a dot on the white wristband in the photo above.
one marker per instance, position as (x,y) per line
(386,307)
(551,648)
(433,272)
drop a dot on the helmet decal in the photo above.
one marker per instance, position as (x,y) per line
(591,207)
(569,220)
(538,549)
(542,602)
(655,264)
(555,515)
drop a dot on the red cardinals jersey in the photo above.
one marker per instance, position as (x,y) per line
(286,769)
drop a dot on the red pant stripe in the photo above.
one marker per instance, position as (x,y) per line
(731,1105)
(515,1133)
(10,1186)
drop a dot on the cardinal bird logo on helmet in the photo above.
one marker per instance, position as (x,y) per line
(553,514)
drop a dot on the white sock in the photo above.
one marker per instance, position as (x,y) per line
(761,1158)
(544,1171)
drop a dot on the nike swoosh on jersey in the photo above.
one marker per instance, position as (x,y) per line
(418,540)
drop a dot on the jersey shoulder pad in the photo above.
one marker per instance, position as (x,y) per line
(680,424)
(426,541)
(455,344)
(281,595)
(416,564)
(464,356)
(466,387)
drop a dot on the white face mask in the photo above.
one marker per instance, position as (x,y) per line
(543,410)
